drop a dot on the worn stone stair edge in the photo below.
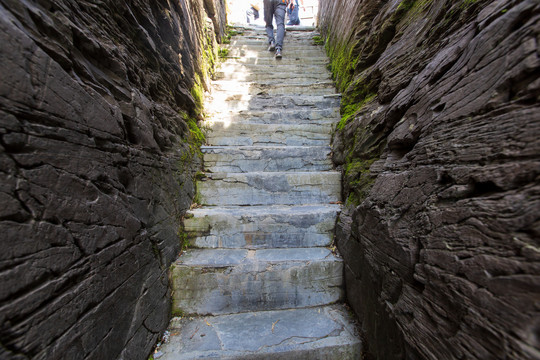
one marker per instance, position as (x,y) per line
(261,226)
(266,158)
(224,281)
(222,102)
(323,333)
(223,85)
(266,188)
(306,116)
(232,257)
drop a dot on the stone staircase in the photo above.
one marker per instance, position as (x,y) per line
(260,281)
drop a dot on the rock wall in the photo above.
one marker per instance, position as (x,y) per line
(98,138)
(439,143)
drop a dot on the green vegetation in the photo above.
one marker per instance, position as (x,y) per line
(317,40)
(359,93)
(183,237)
(197,137)
(223,53)
(342,64)
(414,6)
(359,179)
(229,33)
(467,3)
(177,313)
(197,92)
(349,111)
(406,5)
(209,53)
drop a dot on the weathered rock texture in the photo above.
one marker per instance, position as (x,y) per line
(440,147)
(98,101)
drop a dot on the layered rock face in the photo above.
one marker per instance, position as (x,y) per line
(440,147)
(98,109)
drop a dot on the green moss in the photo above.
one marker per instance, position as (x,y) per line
(197,92)
(342,64)
(358,179)
(467,3)
(190,151)
(229,33)
(155,250)
(350,110)
(317,40)
(197,197)
(406,5)
(223,53)
(413,6)
(197,135)
(183,238)
(355,167)
(177,313)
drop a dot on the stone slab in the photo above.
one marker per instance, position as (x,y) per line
(274,87)
(260,73)
(322,333)
(275,188)
(303,115)
(241,159)
(247,134)
(289,57)
(221,102)
(261,226)
(260,51)
(273,71)
(224,281)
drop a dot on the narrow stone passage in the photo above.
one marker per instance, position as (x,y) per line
(259,280)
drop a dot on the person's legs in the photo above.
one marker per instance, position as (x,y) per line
(268,18)
(279,14)
(295,16)
(289,12)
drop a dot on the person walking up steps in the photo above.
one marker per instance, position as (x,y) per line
(275,9)
(293,12)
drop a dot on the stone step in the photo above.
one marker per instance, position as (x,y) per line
(221,102)
(261,36)
(296,115)
(262,73)
(258,270)
(322,333)
(226,281)
(260,51)
(289,58)
(261,44)
(290,38)
(276,87)
(247,134)
(261,226)
(242,159)
(283,70)
(270,188)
